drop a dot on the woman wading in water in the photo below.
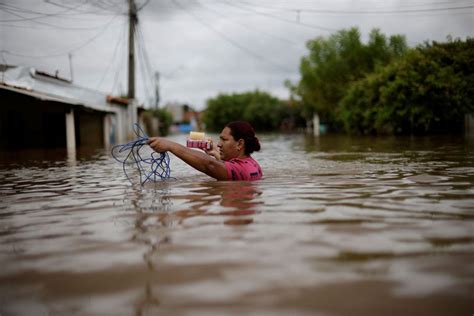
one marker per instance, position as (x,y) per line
(231,159)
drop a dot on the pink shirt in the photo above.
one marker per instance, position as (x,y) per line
(245,169)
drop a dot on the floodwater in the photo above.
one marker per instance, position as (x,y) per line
(338,226)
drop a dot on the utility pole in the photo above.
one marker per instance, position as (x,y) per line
(132,15)
(70,67)
(157,89)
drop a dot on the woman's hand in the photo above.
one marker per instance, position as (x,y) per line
(159,144)
(214,151)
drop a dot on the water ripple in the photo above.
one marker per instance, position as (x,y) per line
(331,214)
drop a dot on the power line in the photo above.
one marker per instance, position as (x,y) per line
(312,26)
(328,11)
(144,63)
(40,15)
(142,46)
(250,28)
(433,3)
(22,10)
(61,27)
(95,12)
(135,28)
(108,6)
(117,75)
(117,46)
(143,5)
(63,52)
(231,41)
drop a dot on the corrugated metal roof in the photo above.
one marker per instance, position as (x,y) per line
(47,87)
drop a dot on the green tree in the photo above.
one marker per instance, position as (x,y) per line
(223,109)
(428,90)
(264,111)
(334,63)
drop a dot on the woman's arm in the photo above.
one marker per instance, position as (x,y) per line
(198,160)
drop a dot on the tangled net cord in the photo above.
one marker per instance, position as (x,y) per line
(154,168)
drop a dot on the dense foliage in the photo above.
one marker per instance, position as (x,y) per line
(380,86)
(260,109)
(429,90)
(334,63)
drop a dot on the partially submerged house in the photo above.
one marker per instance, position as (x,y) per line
(38,109)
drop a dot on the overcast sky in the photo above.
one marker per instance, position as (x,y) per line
(204,47)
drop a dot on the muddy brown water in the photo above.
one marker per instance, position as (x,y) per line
(338,226)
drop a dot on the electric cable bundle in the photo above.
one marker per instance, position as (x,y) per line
(155,167)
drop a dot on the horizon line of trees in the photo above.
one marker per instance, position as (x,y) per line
(378,87)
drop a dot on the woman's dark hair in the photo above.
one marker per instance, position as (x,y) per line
(243,130)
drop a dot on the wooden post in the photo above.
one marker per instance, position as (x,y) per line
(316,124)
(132,16)
(70,130)
(106,128)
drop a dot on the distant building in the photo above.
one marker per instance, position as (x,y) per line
(42,110)
(185,118)
(177,111)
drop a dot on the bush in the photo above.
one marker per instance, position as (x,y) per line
(263,111)
(335,63)
(429,90)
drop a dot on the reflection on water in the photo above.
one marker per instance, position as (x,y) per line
(338,226)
